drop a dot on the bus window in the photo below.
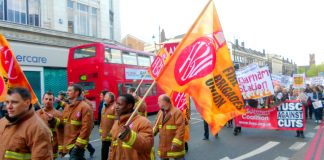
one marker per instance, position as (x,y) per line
(129,58)
(145,87)
(87,85)
(84,52)
(120,89)
(112,56)
(144,61)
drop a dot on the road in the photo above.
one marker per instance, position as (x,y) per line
(251,144)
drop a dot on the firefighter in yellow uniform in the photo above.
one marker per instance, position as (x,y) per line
(170,123)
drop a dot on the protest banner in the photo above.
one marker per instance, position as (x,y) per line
(299,81)
(255,82)
(287,116)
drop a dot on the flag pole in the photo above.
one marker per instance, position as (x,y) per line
(139,104)
(141,82)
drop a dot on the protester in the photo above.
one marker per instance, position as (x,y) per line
(3,110)
(171,126)
(23,134)
(133,142)
(107,121)
(101,105)
(142,110)
(48,100)
(77,123)
(317,97)
(60,98)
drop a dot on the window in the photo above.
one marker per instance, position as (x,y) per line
(144,61)
(113,56)
(87,85)
(83,27)
(34,12)
(145,87)
(17,11)
(70,16)
(2,12)
(84,52)
(94,24)
(129,58)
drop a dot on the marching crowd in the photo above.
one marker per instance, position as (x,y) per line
(54,131)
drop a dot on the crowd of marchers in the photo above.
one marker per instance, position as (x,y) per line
(55,131)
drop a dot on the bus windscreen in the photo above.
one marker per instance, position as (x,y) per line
(84,52)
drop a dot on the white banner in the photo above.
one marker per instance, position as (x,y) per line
(137,74)
(255,82)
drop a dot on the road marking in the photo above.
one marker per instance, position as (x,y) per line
(311,149)
(317,127)
(197,121)
(281,158)
(94,140)
(261,149)
(194,113)
(309,134)
(297,146)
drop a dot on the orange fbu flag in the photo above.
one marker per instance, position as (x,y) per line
(202,67)
(11,73)
(179,100)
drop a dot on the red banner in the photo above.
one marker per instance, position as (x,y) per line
(289,115)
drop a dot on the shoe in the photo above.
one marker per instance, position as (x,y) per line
(316,121)
(205,138)
(297,135)
(302,136)
(216,136)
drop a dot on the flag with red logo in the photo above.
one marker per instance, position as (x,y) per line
(202,67)
(11,73)
(179,100)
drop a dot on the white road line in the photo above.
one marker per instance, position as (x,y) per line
(281,158)
(194,113)
(309,134)
(94,140)
(297,146)
(197,121)
(317,127)
(257,151)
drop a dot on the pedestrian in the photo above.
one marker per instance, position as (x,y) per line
(317,98)
(206,131)
(23,134)
(170,123)
(3,110)
(77,123)
(60,98)
(142,110)
(132,142)
(101,104)
(107,121)
(48,100)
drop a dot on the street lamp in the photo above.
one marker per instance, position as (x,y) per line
(153,37)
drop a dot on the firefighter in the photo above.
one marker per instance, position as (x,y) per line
(48,100)
(77,123)
(133,142)
(170,123)
(142,110)
(107,121)
(23,134)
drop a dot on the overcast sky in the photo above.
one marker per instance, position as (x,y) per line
(291,28)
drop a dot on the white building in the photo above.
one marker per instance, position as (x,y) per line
(48,28)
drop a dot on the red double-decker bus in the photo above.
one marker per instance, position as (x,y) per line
(99,66)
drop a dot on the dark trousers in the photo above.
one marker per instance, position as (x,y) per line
(90,148)
(311,111)
(105,150)
(206,130)
(318,113)
(306,111)
(77,154)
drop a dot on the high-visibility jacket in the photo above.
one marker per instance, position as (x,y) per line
(77,122)
(56,132)
(107,121)
(171,126)
(137,145)
(26,138)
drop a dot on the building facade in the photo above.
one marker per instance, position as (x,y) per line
(133,42)
(40,33)
(243,56)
